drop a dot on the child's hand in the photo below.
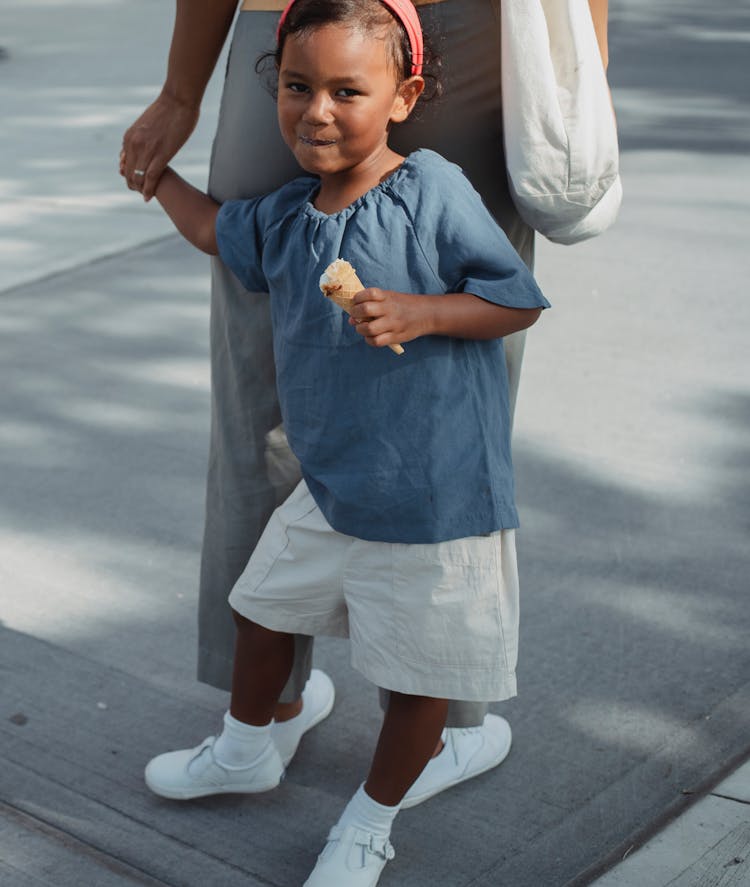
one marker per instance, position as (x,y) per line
(385,317)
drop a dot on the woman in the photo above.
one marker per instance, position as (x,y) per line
(465,125)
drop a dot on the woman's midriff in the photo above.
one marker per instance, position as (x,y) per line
(278,5)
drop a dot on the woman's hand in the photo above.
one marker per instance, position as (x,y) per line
(200,29)
(385,317)
(153,140)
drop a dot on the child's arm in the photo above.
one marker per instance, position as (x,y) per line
(193,212)
(384,317)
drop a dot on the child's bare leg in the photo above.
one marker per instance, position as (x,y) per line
(411,730)
(262,663)
(358,845)
(244,757)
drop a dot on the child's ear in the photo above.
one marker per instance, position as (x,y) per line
(406,97)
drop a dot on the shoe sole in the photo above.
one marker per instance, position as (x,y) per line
(184,795)
(425,796)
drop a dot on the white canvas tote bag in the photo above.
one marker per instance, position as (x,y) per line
(560,131)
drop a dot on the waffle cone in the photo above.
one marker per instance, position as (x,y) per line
(340,284)
(343,298)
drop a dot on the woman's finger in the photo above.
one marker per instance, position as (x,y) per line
(153,172)
(134,178)
(135,174)
(137,160)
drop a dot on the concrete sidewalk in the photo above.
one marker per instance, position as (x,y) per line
(75,75)
(632,462)
(709,844)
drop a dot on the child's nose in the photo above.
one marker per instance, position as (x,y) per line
(318,109)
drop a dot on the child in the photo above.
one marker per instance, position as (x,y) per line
(401,535)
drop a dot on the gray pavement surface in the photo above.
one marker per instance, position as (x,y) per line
(632,457)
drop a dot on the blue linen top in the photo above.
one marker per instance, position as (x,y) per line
(412,448)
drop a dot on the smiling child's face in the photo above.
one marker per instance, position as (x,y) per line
(338,95)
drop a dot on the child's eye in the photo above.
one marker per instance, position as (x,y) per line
(296,87)
(347,93)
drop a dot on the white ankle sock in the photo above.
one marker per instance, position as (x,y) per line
(286,735)
(365,813)
(240,744)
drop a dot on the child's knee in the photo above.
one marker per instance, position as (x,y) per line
(242,623)
(252,632)
(411,702)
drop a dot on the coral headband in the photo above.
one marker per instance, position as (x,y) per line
(405,12)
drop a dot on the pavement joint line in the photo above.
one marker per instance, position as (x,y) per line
(15,289)
(730,798)
(73,841)
(76,844)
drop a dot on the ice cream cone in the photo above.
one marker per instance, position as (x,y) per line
(340,284)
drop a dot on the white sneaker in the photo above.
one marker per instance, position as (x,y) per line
(351,858)
(317,702)
(195,772)
(467,753)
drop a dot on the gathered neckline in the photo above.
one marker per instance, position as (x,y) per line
(387,183)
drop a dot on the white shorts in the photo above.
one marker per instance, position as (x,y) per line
(435,620)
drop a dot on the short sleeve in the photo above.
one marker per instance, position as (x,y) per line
(466,247)
(240,228)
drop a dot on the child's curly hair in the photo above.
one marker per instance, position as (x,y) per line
(367,16)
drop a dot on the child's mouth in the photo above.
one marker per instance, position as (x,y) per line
(316,143)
